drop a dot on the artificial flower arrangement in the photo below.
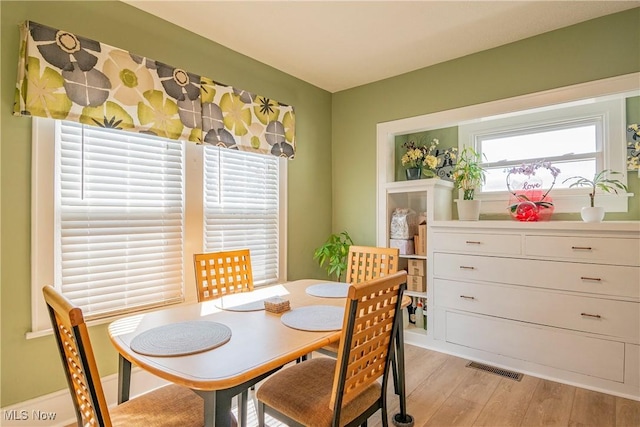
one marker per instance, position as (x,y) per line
(528,202)
(424,160)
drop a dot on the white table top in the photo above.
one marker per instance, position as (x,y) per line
(259,341)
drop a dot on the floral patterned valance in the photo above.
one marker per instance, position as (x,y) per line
(65,76)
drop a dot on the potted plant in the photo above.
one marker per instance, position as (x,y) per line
(600,181)
(334,253)
(419,160)
(467,176)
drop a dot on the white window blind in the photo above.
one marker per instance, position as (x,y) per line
(241,207)
(119,219)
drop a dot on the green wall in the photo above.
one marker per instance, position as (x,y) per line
(31,368)
(593,50)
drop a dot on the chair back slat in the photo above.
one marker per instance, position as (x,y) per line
(370,321)
(78,360)
(366,263)
(223,273)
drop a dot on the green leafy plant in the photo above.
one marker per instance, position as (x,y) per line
(334,254)
(467,173)
(600,181)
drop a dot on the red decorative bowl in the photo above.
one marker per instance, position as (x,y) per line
(530,205)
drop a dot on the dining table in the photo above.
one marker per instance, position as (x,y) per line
(258,343)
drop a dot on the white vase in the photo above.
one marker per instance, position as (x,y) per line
(592,214)
(468,210)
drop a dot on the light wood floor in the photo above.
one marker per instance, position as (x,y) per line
(443,392)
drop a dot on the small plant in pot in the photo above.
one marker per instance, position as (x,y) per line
(467,176)
(600,181)
(334,253)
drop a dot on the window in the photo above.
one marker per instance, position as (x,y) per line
(574,147)
(579,139)
(241,208)
(117,216)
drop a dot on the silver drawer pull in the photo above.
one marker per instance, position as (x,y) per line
(471,242)
(595,279)
(468,297)
(465,267)
(596,316)
(581,248)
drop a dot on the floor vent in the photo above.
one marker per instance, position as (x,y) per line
(517,376)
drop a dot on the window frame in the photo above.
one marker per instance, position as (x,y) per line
(608,111)
(43,227)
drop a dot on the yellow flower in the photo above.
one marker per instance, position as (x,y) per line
(431,161)
(236,114)
(160,114)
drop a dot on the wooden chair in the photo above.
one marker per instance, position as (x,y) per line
(222,273)
(167,406)
(328,392)
(365,263)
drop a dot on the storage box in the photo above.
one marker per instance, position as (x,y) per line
(405,247)
(416,267)
(421,249)
(416,283)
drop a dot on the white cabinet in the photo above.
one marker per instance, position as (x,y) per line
(432,196)
(559,300)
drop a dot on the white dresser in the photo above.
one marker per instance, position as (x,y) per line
(559,300)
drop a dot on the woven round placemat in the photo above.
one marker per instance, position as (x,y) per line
(179,339)
(329,290)
(316,318)
(229,305)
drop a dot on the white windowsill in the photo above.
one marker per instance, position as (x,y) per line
(497,203)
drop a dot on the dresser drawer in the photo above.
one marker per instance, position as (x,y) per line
(585,355)
(594,315)
(607,250)
(599,279)
(504,244)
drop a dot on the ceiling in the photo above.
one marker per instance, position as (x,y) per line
(337,45)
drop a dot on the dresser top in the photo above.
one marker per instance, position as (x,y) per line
(619,226)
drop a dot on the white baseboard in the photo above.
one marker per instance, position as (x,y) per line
(56,409)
